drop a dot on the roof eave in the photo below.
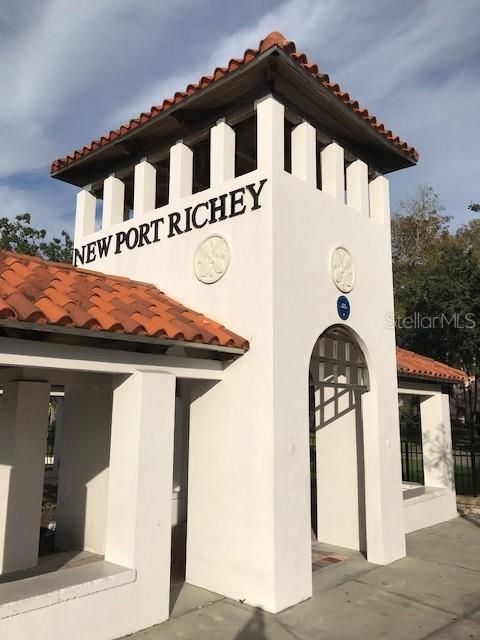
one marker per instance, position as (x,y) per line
(399,158)
(93,334)
(428,378)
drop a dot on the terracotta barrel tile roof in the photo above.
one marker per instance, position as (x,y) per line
(413,364)
(34,290)
(274,39)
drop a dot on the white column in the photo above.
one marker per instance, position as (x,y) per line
(181,172)
(383,472)
(222,154)
(270,134)
(304,147)
(85,215)
(139,511)
(437,441)
(145,184)
(23,438)
(380,200)
(333,171)
(357,186)
(83,478)
(304,151)
(113,202)
(180,456)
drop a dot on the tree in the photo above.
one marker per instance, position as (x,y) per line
(20,236)
(469,234)
(58,249)
(418,230)
(437,287)
(450,303)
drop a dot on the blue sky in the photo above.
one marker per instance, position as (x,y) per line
(72,70)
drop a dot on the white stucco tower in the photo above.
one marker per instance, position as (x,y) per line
(258,197)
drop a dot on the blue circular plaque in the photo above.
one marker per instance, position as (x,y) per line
(343,307)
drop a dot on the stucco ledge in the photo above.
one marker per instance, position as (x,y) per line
(38,592)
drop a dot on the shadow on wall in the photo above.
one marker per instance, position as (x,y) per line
(437,455)
(254,629)
(84,463)
(329,403)
(334,402)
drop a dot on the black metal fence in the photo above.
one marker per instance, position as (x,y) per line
(412,458)
(466,458)
(466,455)
(411,439)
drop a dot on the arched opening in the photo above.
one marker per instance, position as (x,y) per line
(338,377)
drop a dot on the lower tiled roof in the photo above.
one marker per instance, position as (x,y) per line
(35,291)
(415,365)
(49,293)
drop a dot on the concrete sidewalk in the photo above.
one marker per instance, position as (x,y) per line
(434,593)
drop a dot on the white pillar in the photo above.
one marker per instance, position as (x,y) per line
(139,509)
(113,202)
(438,467)
(383,472)
(23,438)
(333,171)
(357,186)
(181,172)
(270,134)
(222,154)
(83,478)
(85,215)
(304,152)
(145,185)
(180,456)
(380,200)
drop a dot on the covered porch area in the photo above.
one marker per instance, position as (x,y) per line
(126,392)
(424,387)
(114,510)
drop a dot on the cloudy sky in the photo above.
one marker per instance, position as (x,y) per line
(70,70)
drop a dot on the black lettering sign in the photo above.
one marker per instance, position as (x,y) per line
(218,209)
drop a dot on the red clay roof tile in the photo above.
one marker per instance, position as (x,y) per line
(416,365)
(273,39)
(41,292)
(59,294)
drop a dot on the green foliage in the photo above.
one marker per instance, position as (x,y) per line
(58,249)
(437,286)
(418,229)
(20,236)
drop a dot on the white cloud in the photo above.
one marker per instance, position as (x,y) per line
(64,58)
(288,18)
(50,209)
(70,70)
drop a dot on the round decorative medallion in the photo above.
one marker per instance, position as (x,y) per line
(343,269)
(212,259)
